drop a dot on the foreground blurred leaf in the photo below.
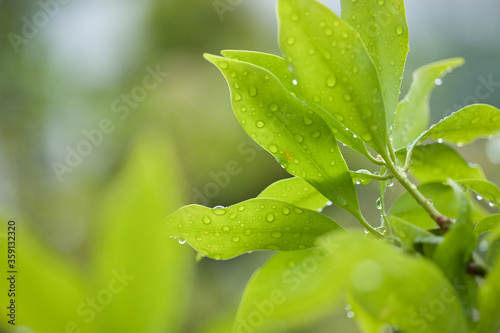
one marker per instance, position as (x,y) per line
(489,302)
(413,112)
(132,242)
(297,137)
(47,284)
(467,125)
(438,162)
(297,192)
(456,251)
(333,68)
(295,288)
(443,198)
(383,28)
(391,287)
(256,224)
(398,289)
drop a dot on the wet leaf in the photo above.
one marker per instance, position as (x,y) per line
(297,192)
(333,68)
(295,134)
(413,112)
(253,225)
(383,28)
(438,162)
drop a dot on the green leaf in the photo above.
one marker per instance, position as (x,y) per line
(390,286)
(297,137)
(413,112)
(297,192)
(409,233)
(399,289)
(383,28)
(274,64)
(443,198)
(437,162)
(467,125)
(293,287)
(456,251)
(131,241)
(256,224)
(279,67)
(484,188)
(333,68)
(489,301)
(488,224)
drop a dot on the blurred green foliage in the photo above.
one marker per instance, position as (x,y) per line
(75,232)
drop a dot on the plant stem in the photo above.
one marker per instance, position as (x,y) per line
(368,226)
(410,187)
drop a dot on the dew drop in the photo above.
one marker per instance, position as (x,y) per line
(241,208)
(217,257)
(206,220)
(290,40)
(260,124)
(252,91)
(347,97)
(285,210)
(390,183)
(298,138)
(243,109)
(378,203)
(328,31)
(380,2)
(316,134)
(298,210)
(277,235)
(399,30)
(223,65)
(307,120)
(479,197)
(295,17)
(235,239)
(339,116)
(491,204)
(270,217)
(248,232)
(219,210)
(475,120)
(331,81)
(273,107)
(273,149)
(226,228)
(182,241)
(350,314)
(440,140)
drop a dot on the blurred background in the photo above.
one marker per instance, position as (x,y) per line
(110,118)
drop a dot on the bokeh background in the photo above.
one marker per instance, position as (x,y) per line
(67,71)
